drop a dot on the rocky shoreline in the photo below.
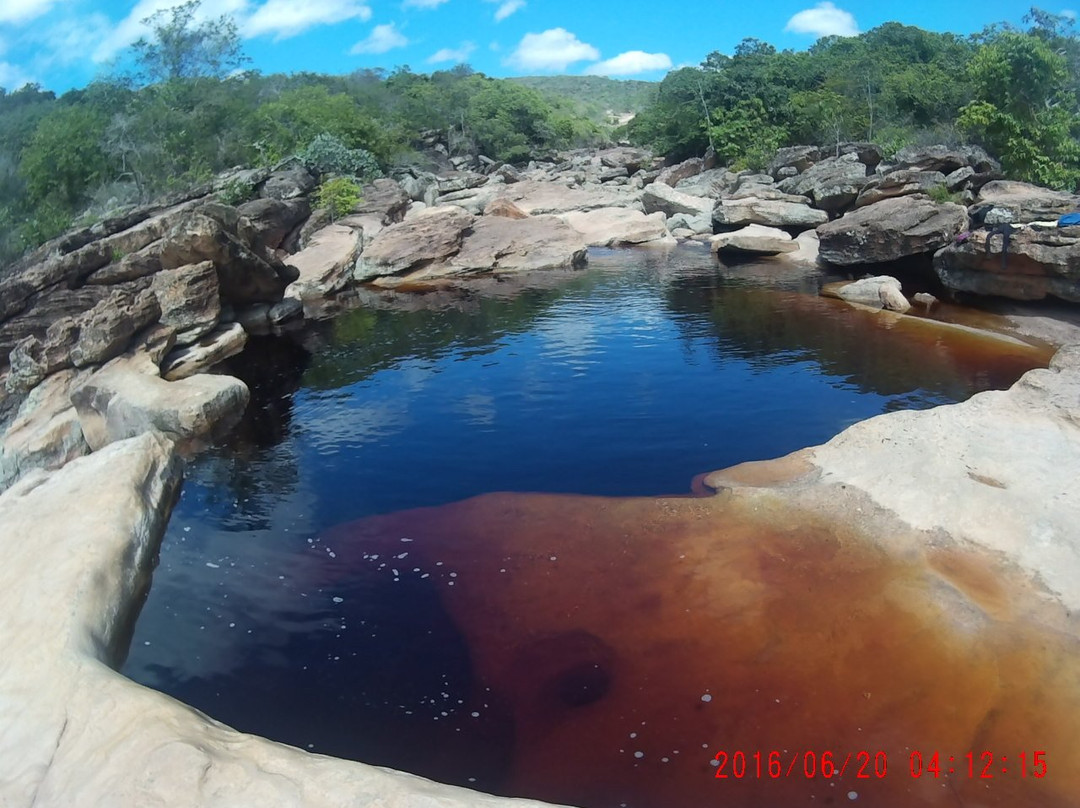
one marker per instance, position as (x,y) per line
(112,336)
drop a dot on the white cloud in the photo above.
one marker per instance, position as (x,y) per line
(69,40)
(12,76)
(554,49)
(286,18)
(423,3)
(382,38)
(1068,14)
(630,63)
(20,11)
(824,19)
(506,8)
(455,55)
(131,27)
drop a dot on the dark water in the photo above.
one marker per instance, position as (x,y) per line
(626,379)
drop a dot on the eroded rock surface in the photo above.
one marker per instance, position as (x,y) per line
(889,230)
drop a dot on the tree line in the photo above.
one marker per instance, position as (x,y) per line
(1015,92)
(187,109)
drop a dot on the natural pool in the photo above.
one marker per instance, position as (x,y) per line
(270,612)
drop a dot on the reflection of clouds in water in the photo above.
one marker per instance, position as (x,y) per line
(568,337)
(479,408)
(329,430)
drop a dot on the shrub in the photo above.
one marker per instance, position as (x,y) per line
(326,154)
(940,194)
(338,195)
(236,192)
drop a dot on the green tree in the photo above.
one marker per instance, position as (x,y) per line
(181,47)
(64,157)
(1023,110)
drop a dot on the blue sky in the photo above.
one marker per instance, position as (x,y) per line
(65,43)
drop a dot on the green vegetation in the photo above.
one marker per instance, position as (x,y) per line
(185,112)
(1017,93)
(596,98)
(338,195)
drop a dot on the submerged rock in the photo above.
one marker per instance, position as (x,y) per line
(880,292)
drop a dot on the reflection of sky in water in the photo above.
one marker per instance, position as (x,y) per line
(627,380)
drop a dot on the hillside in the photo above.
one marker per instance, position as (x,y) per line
(596,97)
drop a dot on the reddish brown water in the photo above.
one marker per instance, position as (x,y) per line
(618,645)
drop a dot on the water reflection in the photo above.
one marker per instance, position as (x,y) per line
(626,379)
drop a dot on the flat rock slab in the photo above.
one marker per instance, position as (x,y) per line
(755,239)
(1026,202)
(431,237)
(536,197)
(613,227)
(730,213)
(327,263)
(498,244)
(217,346)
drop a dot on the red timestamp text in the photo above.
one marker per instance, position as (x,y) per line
(809,764)
(985,765)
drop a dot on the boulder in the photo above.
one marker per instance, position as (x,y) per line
(754,239)
(880,292)
(498,244)
(869,154)
(326,264)
(430,238)
(106,330)
(945,159)
(695,224)
(45,433)
(889,230)
(734,213)
(1040,263)
(243,276)
(663,198)
(625,157)
(132,266)
(460,181)
(902,182)
(614,227)
(264,224)
(126,398)
(507,173)
(750,181)
(384,199)
(285,311)
(711,183)
(189,300)
(672,175)
(798,157)
(833,183)
(1027,202)
(289,183)
(225,341)
(504,207)
(958,180)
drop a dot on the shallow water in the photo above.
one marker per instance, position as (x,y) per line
(626,379)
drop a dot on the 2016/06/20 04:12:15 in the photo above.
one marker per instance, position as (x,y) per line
(984,766)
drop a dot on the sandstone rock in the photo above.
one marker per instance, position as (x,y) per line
(385,199)
(504,207)
(265,223)
(958,180)
(536,197)
(1026,202)
(45,433)
(880,292)
(499,244)
(665,199)
(460,181)
(189,300)
(106,330)
(285,311)
(869,154)
(695,224)
(769,192)
(243,276)
(773,213)
(945,159)
(625,157)
(289,183)
(319,219)
(1040,263)
(125,399)
(754,239)
(798,157)
(431,237)
(614,227)
(902,182)
(890,230)
(218,345)
(672,175)
(140,264)
(711,183)
(326,264)
(750,181)
(833,183)
(507,173)
(32,359)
